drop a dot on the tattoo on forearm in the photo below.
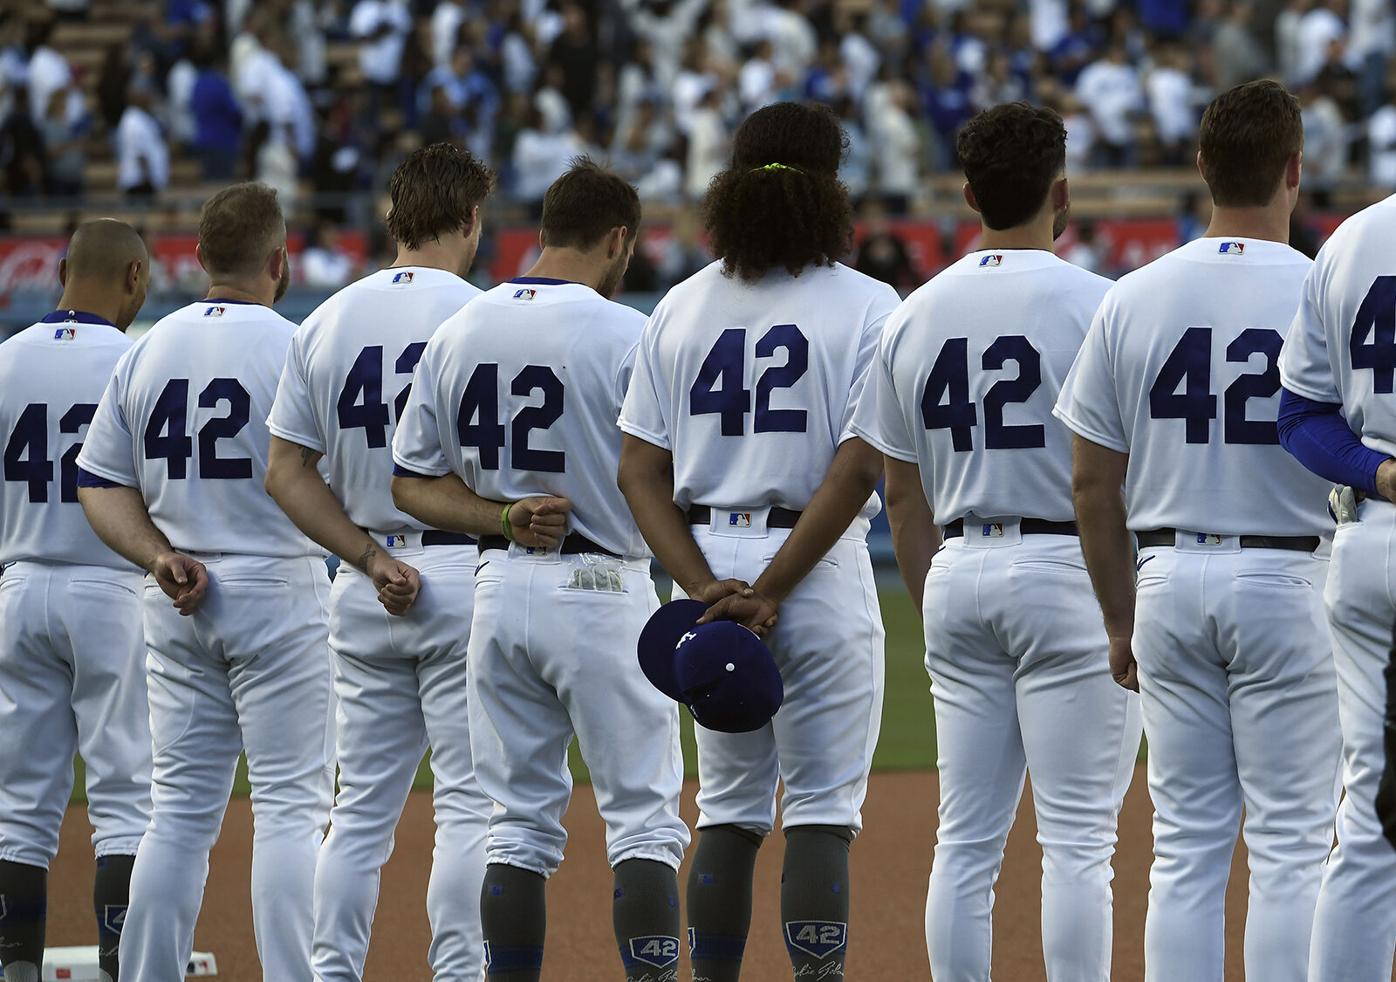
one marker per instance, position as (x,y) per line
(307,456)
(367,556)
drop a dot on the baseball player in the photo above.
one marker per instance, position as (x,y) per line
(510,431)
(1174,395)
(960,400)
(1338,416)
(71,648)
(171,478)
(739,466)
(399,664)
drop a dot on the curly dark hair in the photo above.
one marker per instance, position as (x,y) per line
(1011,154)
(433,193)
(781,205)
(1248,135)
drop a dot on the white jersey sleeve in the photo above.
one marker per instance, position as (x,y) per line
(108,451)
(417,443)
(879,420)
(1089,403)
(292,418)
(52,376)
(518,394)
(642,409)
(1180,371)
(1342,346)
(752,386)
(184,423)
(348,377)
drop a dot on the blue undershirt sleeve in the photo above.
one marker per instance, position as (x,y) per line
(1319,438)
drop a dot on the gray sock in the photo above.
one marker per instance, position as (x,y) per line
(814,899)
(645,913)
(513,913)
(719,901)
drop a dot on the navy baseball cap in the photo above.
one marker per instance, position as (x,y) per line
(721,671)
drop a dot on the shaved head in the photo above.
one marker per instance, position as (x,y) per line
(103,251)
(106,270)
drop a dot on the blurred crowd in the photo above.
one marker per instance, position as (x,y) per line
(329,94)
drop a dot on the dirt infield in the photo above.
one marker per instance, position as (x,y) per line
(890,864)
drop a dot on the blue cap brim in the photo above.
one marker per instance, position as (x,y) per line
(659,639)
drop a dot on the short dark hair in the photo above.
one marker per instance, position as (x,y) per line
(433,193)
(584,204)
(1248,135)
(780,205)
(1011,154)
(239,228)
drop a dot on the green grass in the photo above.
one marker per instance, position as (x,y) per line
(907,741)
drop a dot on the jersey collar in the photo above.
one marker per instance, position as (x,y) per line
(542,281)
(73,317)
(245,303)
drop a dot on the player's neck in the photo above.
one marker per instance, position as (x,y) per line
(571,265)
(1267,222)
(228,291)
(1036,234)
(431,255)
(90,300)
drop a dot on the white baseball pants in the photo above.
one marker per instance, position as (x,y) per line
(828,645)
(1355,927)
(72,680)
(250,670)
(550,655)
(1240,710)
(1017,656)
(400,686)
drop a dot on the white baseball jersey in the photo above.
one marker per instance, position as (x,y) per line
(966,377)
(348,375)
(51,378)
(518,394)
(1342,348)
(183,422)
(1180,371)
(753,386)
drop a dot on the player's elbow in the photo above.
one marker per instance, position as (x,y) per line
(643,468)
(405,493)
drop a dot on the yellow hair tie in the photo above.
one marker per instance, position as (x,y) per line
(773,167)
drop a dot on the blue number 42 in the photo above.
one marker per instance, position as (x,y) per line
(720,387)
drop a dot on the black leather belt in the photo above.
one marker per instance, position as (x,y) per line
(1296,543)
(575,544)
(777,518)
(1028,526)
(435,538)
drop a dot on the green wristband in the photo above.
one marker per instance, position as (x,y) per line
(504,525)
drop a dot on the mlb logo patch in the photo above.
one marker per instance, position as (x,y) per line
(525,294)
(114,917)
(739,519)
(402,278)
(218,311)
(659,950)
(1208,539)
(995,260)
(396,541)
(992,530)
(65,334)
(818,938)
(1232,249)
